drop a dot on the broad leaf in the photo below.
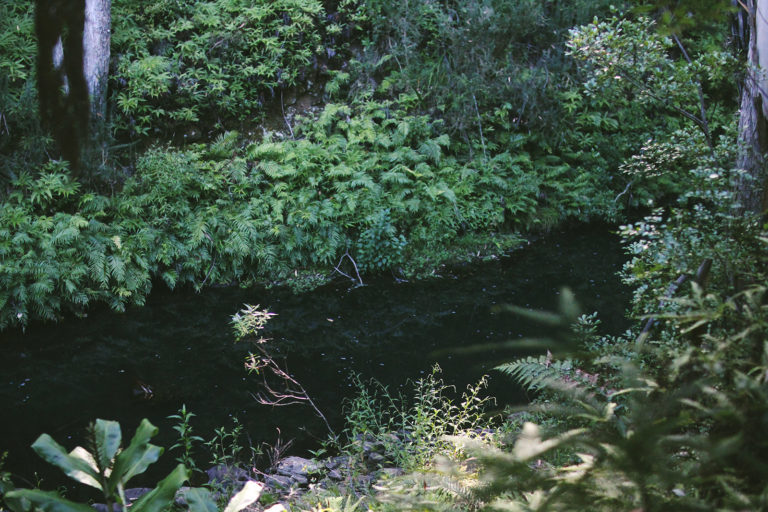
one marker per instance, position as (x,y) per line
(135,459)
(250,493)
(108,437)
(72,466)
(48,501)
(529,443)
(199,500)
(162,495)
(81,453)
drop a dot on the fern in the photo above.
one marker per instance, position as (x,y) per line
(536,373)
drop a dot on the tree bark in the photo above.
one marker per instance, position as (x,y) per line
(96,41)
(753,118)
(73,70)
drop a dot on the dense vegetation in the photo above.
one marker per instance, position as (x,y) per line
(274,141)
(388,141)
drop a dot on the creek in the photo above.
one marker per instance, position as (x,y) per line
(57,378)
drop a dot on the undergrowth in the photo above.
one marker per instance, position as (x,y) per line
(411,430)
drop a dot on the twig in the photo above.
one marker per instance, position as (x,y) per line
(480,125)
(357,273)
(666,103)
(282,108)
(626,189)
(702,105)
(289,396)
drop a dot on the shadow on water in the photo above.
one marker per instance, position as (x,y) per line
(57,378)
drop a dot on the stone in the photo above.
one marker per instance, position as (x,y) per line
(136,492)
(277,481)
(179,498)
(227,475)
(376,458)
(335,474)
(391,472)
(277,507)
(300,479)
(291,466)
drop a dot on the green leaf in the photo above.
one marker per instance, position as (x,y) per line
(48,501)
(135,459)
(74,467)
(81,453)
(108,437)
(162,495)
(199,500)
(250,493)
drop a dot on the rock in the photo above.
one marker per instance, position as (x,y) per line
(179,499)
(277,507)
(277,481)
(376,458)
(335,474)
(391,472)
(337,462)
(136,493)
(300,479)
(371,447)
(227,475)
(291,466)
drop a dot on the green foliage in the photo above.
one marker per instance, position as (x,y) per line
(21,140)
(53,259)
(651,99)
(186,439)
(225,445)
(198,62)
(379,247)
(665,419)
(460,58)
(536,372)
(411,431)
(375,179)
(108,467)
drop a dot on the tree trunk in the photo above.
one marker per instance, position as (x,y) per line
(753,118)
(96,39)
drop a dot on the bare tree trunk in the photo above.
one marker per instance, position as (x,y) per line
(96,42)
(96,39)
(753,118)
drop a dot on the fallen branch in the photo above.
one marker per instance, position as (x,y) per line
(357,273)
(700,278)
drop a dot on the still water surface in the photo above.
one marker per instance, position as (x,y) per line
(57,378)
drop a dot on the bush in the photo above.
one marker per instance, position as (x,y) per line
(199,63)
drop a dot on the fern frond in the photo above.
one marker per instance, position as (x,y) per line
(537,372)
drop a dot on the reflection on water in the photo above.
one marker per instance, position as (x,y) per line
(179,349)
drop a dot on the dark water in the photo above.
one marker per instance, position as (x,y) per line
(57,378)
